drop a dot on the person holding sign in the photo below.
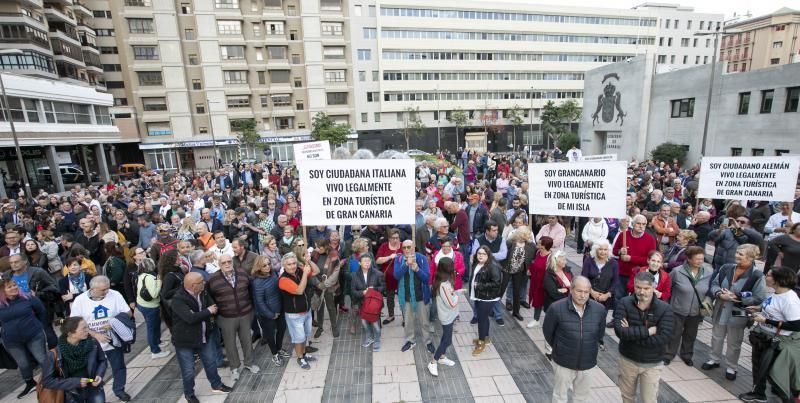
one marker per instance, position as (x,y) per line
(665,226)
(412,272)
(632,247)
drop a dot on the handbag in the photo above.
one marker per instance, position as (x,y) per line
(46,395)
(706,304)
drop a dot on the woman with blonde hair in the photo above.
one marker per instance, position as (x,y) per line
(267,301)
(521,252)
(49,248)
(107,235)
(270,250)
(186,230)
(557,279)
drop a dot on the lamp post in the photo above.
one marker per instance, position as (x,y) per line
(211,128)
(439,119)
(20,163)
(531,112)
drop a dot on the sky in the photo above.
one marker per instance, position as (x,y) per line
(726,7)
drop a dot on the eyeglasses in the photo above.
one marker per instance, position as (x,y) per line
(408,247)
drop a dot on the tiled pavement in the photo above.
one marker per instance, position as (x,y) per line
(512,369)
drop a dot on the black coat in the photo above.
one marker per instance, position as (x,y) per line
(487,283)
(374,280)
(188,319)
(530,254)
(635,342)
(96,366)
(551,286)
(574,338)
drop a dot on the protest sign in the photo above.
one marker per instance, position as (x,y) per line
(753,178)
(582,189)
(314,150)
(364,192)
(599,158)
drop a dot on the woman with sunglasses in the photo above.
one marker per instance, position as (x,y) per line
(267,300)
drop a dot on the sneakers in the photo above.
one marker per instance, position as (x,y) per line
(751,397)
(479,347)
(430,348)
(284,354)
(318,332)
(222,389)
(376,347)
(710,365)
(310,349)
(192,399)
(235,373)
(253,368)
(730,374)
(501,322)
(303,363)
(518,317)
(473,321)
(277,360)
(162,354)
(388,320)
(309,357)
(533,323)
(163,344)
(433,368)
(408,346)
(446,361)
(367,343)
(29,386)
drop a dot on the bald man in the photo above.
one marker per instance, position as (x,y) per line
(574,328)
(192,309)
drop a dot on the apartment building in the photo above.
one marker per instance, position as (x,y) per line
(194,74)
(760,42)
(684,38)
(489,57)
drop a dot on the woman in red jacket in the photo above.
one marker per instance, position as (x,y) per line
(537,269)
(447,251)
(663,285)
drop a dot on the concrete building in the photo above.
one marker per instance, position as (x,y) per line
(631,110)
(765,41)
(192,73)
(489,57)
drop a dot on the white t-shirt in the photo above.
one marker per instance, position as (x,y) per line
(778,220)
(97,314)
(782,308)
(213,267)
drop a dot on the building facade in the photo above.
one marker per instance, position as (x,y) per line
(765,41)
(423,59)
(194,74)
(634,110)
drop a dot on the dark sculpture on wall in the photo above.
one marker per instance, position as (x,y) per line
(608,102)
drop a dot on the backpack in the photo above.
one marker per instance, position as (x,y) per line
(371,306)
(167,247)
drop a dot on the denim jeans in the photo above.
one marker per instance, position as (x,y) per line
(299,326)
(483,308)
(116,359)
(152,318)
(447,340)
(372,331)
(22,353)
(497,310)
(89,394)
(273,330)
(207,352)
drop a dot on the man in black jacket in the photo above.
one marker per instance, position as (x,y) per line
(644,327)
(192,309)
(574,328)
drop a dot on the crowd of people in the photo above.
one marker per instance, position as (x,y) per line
(224,257)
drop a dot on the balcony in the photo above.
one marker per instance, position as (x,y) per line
(69,71)
(66,30)
(79,8)
(92,61)
(21,33)
(32,3)
(23,19)
(56,15)
(67,52)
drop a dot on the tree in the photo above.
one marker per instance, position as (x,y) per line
(325,128)
(557,119)
(515,117)
(568,140)
(412,125)
(460,118)
(667,152)
(246,131)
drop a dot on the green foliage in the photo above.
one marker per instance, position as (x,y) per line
(325,128)
(566,141)
(412,125)
(667,152)
(556,119)
(515,116)
(246,130)
(460,119)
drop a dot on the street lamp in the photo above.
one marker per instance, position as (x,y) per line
(211,128)
(439,119)
(20,163)
(531,112)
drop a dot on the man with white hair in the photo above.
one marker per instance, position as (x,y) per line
(632,247)
(97,307)
(702,227)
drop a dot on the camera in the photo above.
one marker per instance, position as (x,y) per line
(741,314)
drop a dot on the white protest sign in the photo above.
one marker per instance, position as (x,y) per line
(754,178)
(315,150)
(582,189)
(599,158)
(364,192)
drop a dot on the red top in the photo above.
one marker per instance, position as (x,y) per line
(664,285)
(388,267)
(458,267)
(537,269)
(461,226)
(638,249)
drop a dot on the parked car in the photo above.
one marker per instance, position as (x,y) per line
(128,171)
(70,173)
(414,152)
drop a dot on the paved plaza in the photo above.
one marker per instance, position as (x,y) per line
(513,368)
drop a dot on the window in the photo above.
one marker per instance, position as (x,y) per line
(262,77)
(662,59)
(197,84)
(375,75)
(292,35)
(238,101)
(689,24)
(337,76)
(661,41)
(193,59)
(274,27)
(330,5)
(371,10)
(702,25)
(362,75)
(115,84)
(744,67)
(780,27)
(145,53)
(257,29)
(776,60)
(112,67)
(276,52)
(226,27)
(705,59)
(149,78)
(188,33)
(154,104)
(235,76)
(744,103)
(109,50)
(708,42)
(332,28)
(226,3)
(140,25)
(296,59)
(779,153)
(685,59)
(758,152)
(684,42)
(377,117)
(232,52)
(186,8)
(697,60)
(299,105)
(279,76)
(669,41)
(203,129)
(672,59)
(683,108)
(736,151)
(792,97)
(284,123)
(337,98)
(766,101)
(101,115)
(666,25)
(694,42)
(333,52)
(357,11)
(200,108)
(777,44)
(675,26)
(364,54)
(291,11)
(298,82)
(100,14)
(364,117)
(370,33)
(373,96)
(159,129)
(104,32)
(137,3)
(264,101)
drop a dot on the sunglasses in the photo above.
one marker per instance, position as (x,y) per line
(408,247)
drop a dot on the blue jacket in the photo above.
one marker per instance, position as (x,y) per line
(96,366)
(266,295)
(479,222)
(21,320)
(423,275)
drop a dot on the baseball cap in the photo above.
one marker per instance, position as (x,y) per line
(164,227)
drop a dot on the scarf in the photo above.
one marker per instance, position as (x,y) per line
(78,283)
(74,357)
(441,254)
